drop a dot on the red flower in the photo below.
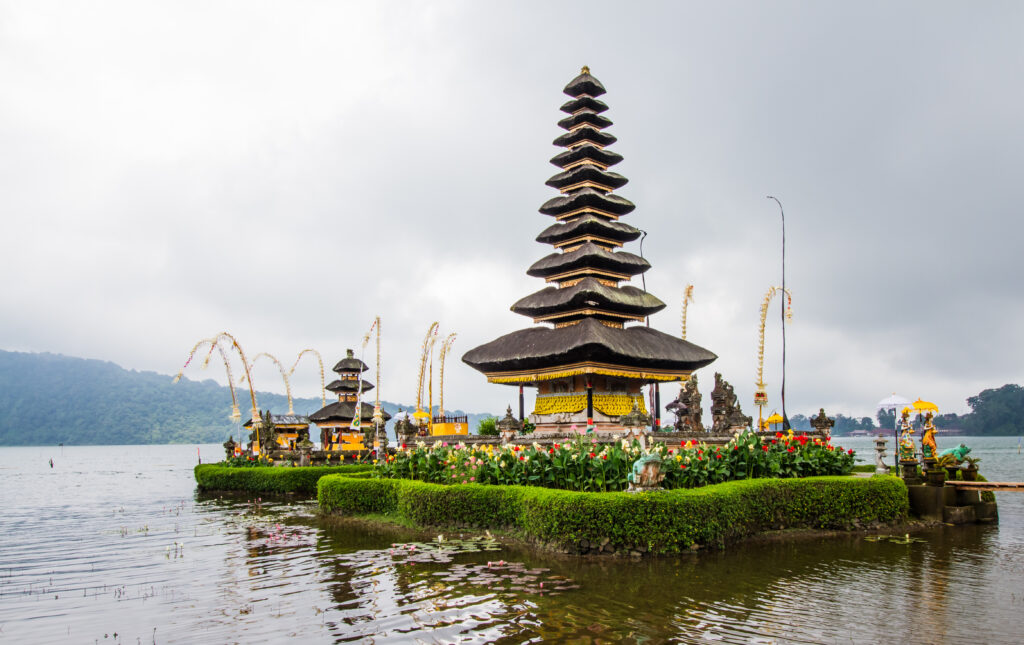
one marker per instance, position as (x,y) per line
(671,452)
(605,457)
(592,455)
(699,451)
(790,449)
(719,455)
(698,458)
(850,451)
(778,435)
(735,447)
(551,451)
(773,441)
(682,466)
(765,448)
(802,439)
(403,446)
(556,445)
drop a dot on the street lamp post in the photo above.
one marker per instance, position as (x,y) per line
(785,418)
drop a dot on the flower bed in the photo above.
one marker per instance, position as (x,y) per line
(270,479)
(660,522)
(583,465)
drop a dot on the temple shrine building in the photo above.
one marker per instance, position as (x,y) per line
(290,428)
(335,420)
(590,350)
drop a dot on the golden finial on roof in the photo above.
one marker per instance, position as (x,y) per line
(585,70)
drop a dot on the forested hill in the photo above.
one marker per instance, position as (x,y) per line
(46,399)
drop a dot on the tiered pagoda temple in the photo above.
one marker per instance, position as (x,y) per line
(335,420)
(590,350)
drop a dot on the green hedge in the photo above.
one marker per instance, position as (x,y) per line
(271,479)
(661,522)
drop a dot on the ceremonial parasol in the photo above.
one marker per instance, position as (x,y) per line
(774,418)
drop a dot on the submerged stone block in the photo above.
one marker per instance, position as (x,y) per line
(958,515)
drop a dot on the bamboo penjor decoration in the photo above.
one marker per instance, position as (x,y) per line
(284,377)
(445,346)
(212,342)
(320,360)
(428,345)
(687,298)
(760,395)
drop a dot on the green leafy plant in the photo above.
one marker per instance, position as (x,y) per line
(584,465)
(487,427)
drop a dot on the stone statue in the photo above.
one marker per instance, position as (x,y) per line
(929,451)
(907,446)
(823,424)
(405,429)
(508,426)
(958,453)
(646,474)
(726,413)
(687,407)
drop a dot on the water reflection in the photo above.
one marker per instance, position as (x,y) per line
(85,555)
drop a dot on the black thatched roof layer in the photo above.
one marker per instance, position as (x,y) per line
(587,133)
(344,411)
(584,103)
(540,348)
(589,256)
(587,116)
(587,172)
(350,364)
(282,419)
(586,151)
(589,293)
(348,385)
(587,198)
(588,225)
(584,84)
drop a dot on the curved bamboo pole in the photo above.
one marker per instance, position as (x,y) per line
(323,390)
(427,346)
(236,415)
(687,298)
(248,377)
(759,395)
(445,346)
(284,377)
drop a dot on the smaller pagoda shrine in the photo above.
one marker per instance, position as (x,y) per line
(290,429)
(335,420)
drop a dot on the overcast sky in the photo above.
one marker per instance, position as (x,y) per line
(287,171)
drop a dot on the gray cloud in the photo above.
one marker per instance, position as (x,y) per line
(169,171)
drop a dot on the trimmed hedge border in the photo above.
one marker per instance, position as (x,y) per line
(272,479)
(661,522)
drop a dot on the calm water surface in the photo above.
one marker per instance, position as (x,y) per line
(113,545)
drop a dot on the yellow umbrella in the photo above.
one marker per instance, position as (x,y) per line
(924,406)
(775,418)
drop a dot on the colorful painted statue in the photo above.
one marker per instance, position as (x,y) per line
(929,450)
(907,446)
(646,473)
(958,453)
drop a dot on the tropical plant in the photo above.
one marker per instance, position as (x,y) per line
(584,465)
(487,427)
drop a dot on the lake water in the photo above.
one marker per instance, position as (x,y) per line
(113,545)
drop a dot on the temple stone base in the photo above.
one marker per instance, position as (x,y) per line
(929,502)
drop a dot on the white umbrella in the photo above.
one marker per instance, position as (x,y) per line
(893,402)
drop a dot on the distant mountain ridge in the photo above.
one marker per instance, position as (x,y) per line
(47,399)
